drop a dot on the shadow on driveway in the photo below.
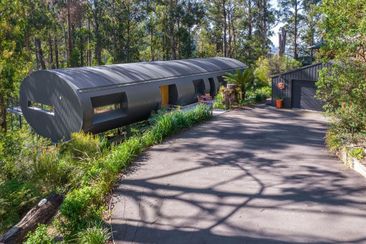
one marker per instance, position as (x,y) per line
(253,176)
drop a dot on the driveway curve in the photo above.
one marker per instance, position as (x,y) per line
(248,176)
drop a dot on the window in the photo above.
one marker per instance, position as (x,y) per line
(106,108)
(45,108)
(109,107)
(212,87)
(199,87)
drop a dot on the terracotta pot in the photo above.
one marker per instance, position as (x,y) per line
(279,103)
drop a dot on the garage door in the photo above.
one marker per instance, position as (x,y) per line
(303,95)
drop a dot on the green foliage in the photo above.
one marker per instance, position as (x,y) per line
(83,146)
(94,235)
(358,153)
(333,139)
(219,99)
(39,236)
(82,205)
(344,29)
(343,87)
(31,168)
(259,94)
(253,84)
(275,64)
(79,207)
(15,198)
(243,78)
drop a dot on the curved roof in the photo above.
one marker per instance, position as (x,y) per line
(117,74)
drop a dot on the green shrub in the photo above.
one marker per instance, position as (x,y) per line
(15,198)
(18,152)
(350,119)
(244,79)
(263,93)
(83,146)
(342,87)
(267,66)
(219,100)
(259,94)
(333,139)
(82,205)
(39,236)
(94,235)
(358,153)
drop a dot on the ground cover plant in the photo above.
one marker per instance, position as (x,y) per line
(83,169)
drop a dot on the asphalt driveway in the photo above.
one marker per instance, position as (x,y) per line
(253,176)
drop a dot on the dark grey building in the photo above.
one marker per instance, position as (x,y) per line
(94,99)
(300,87)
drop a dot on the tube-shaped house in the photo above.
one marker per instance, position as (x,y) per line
(58,102)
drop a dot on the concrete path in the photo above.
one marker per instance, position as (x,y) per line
(253,176)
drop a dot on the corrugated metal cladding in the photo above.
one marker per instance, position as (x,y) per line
(307,73)
(58,102)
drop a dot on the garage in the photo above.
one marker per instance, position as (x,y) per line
(298,87)
(303,95)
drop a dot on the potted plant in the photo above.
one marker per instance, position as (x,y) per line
(279,101)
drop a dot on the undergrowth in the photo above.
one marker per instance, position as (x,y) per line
(97,167)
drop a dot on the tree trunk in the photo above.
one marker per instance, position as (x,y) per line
(250,26)
(230,26)
(172,30)
(98,44)
(282,41)
(40,214)
(69,34)
(56,53)
(295,29)
(225,27)
(3,125)
(151,30)
(50,53)
(89,54)
(128,34)
(39,54)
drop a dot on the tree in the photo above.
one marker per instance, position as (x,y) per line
(342,86)
(300,20)
(14,60)
(291,14)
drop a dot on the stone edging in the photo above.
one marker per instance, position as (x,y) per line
(351,162)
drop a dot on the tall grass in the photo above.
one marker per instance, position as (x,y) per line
(84,203)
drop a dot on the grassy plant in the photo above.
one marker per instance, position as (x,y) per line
(15,198)
(84,168)
(83,146)
(358,153)
(39,236)
(82,205)
(94,235)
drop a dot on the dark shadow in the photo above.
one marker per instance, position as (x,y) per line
(227,180)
